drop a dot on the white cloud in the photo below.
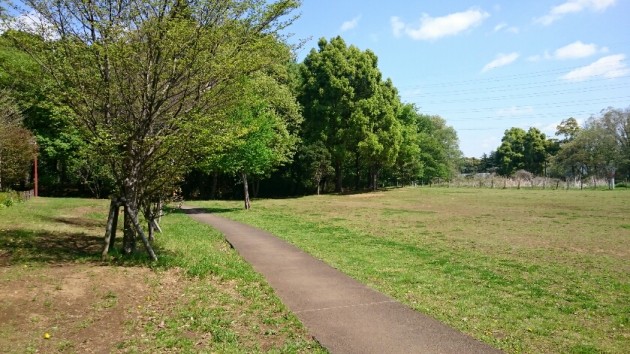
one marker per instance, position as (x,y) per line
(576,50)
(610,67)
(432,28)
(397,26)
(500,60)
(573,6)
(31,22)
(504,27)
(500,26)
(352,24)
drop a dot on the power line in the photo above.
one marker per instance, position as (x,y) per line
(501,78)
(548,105)
(551,83)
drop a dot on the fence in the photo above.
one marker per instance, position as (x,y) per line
(534,183)
(26,195)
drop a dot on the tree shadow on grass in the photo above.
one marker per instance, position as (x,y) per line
(20,246)
(77,221)
(26,246)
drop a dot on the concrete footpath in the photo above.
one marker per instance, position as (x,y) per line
(344,315)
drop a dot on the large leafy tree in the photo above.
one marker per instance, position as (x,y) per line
(511,153)
(535,151)
(264,125)
(600,149)
(17,144)
(380,130)
(616,125)
(568,129)
(60,144)
(339,86)
(409,166)
(439,148)
(143,77)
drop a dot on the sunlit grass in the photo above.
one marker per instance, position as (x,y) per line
(526,271)
(215,301)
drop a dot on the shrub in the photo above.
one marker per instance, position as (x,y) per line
(9,198)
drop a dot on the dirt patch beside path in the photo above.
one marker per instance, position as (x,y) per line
(83,308)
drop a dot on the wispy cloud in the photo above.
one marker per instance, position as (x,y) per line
(351,24)
(504,27)
(610,67)
(432,28)
(573,6)
(577,50)
(31,22)
(500,60)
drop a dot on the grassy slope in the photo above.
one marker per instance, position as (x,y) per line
(526,271)
(220,304)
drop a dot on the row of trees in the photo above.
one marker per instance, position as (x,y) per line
(367,132)
(600,148)
(355,132)
(151,87)
(128,97)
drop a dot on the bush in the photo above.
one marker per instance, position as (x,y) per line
(9,198)
(622,185)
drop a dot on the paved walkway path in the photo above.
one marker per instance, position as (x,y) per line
(344,315)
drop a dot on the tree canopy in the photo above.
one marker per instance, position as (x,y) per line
(144,77)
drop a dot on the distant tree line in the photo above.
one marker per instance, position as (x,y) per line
(331,123)
(133,100)
(355,133)
(600,148)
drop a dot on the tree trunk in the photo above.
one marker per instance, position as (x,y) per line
(245,191)
(151,232)
(109,229)
(114,226)
(129,235)
(132,214)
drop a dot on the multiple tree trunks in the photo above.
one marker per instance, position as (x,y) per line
(132,228)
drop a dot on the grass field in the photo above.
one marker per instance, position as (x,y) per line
(523,270)
(200,297)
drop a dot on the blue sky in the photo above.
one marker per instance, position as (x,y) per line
(487,66)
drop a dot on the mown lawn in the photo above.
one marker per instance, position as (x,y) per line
(523,270)
(200,297)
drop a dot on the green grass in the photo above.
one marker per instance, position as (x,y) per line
(237,306)
(523,270)
(217,302)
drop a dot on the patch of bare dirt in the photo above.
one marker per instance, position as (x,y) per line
(83,308)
